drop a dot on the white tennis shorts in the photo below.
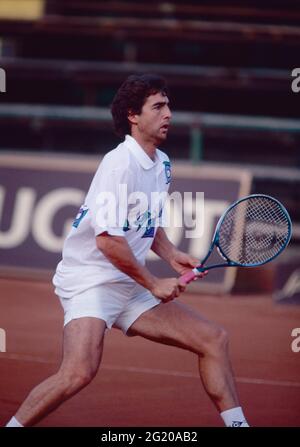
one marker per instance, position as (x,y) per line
(118,304)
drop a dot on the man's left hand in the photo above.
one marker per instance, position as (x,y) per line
(183,262)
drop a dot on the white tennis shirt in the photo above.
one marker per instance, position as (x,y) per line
(125,199)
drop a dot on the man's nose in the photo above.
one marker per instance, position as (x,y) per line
(168,113)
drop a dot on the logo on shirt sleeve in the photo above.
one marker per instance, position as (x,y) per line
(81,213)
(167,165)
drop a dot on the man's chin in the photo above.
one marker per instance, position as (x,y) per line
(161,138)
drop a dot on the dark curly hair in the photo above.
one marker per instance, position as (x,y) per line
(131,97)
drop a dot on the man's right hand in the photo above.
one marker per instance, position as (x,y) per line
(166,289)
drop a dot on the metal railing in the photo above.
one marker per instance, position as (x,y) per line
(195,122)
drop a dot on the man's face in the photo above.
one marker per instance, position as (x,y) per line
(154,120)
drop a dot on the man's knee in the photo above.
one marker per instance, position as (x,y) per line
(76,378)
(221,338)
(216,342)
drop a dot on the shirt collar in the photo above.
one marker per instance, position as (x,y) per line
(139,153)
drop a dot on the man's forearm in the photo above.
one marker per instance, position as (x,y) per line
(118,252)
(162,246)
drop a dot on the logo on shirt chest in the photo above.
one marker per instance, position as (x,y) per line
(144,222)
(167,165)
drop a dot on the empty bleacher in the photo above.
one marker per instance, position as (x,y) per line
(228,64)
(222,58)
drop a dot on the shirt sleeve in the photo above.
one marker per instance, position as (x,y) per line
(108,202)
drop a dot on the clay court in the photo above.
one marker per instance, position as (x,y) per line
(141,383)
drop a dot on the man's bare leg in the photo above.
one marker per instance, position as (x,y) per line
(82,351)
(176,324)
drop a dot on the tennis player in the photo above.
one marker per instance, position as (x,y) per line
(102,281)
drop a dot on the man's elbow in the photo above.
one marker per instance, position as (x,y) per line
(102,241)
(106,243)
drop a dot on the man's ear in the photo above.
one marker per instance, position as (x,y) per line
(132,117)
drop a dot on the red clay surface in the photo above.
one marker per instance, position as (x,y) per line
(141,383)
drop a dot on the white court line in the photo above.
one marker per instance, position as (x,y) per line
(255,381)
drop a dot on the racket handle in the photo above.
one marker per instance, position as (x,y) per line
(187,277)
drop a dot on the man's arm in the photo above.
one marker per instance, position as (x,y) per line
(118,252)
(163,247)
(181,262)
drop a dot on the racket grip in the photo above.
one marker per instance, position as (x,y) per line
(187,277)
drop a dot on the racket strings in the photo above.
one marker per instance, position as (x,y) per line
(254,231)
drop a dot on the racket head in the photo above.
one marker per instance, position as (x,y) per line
(253,231)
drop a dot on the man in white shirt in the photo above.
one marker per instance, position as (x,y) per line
(102,280)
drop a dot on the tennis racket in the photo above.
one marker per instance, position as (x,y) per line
(251,232)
